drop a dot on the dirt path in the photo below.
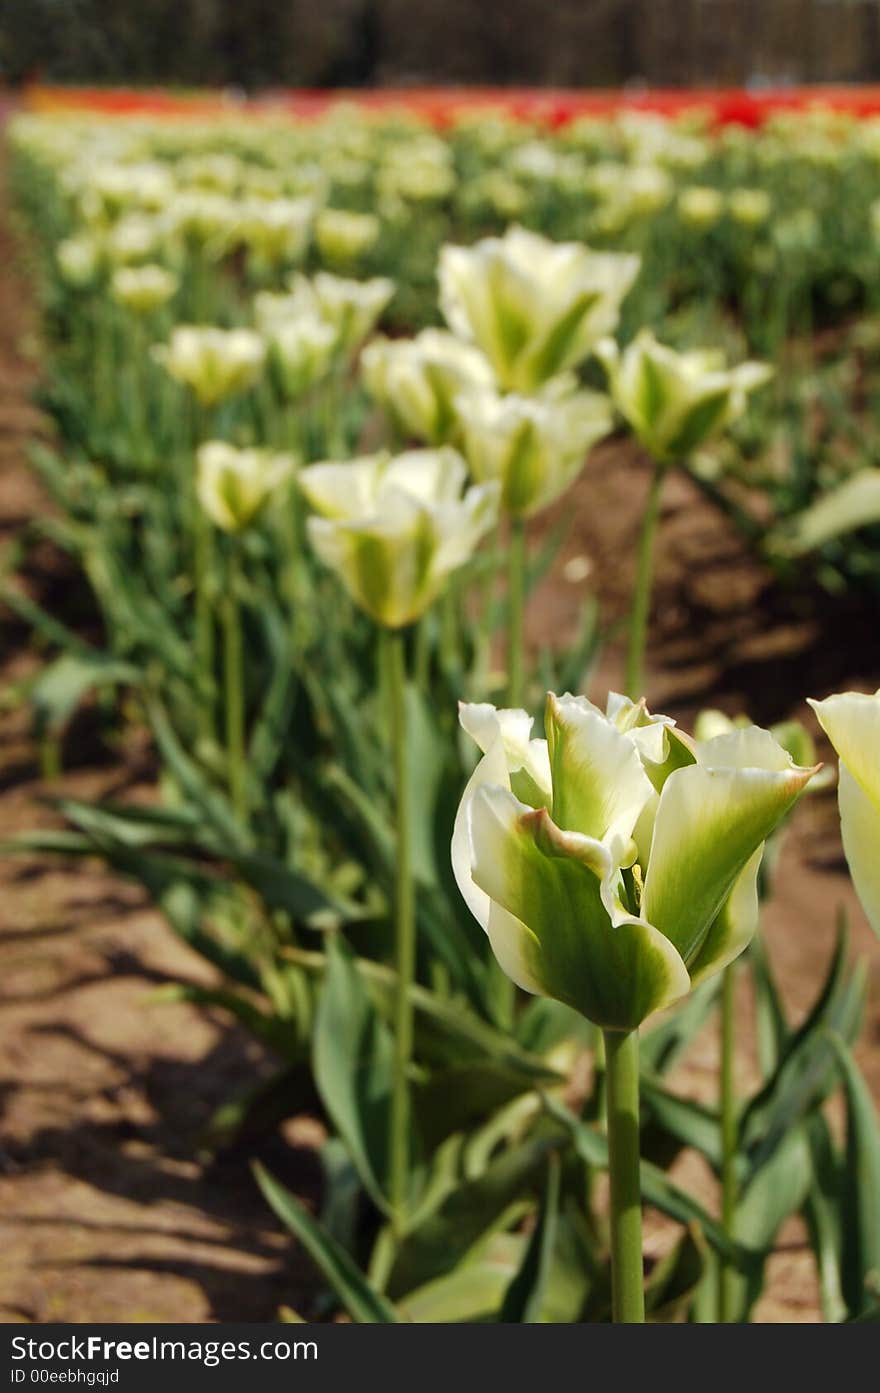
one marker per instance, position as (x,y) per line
(106,1214)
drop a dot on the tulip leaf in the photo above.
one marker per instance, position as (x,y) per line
(195,786)
(525,1295)
(657,1189)
(468,1214)
(362,1302)
(822,1214)
(473,1291)
(689,1123)
(352,1054)
(65,683)
(771,1025)
(662,1045)
(860,1216)
(673,1282)
(852,505)
(447,1031)
(806,1071)
(773,1193)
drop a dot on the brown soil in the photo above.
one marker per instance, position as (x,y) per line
(107,1212)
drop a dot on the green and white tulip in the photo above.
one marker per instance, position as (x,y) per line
(534,307)
(143,289)
(534,446)
(214,363)
(234,485)
(675,402)
(342,236)
(395,527)
(851,720)
(351,307)
(614,865)
(418,380)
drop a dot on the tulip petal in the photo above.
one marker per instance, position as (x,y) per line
(550,882)
(735,926)
(599,785)
(492,769)
(860,828)
(851,720)
(515,947)
(710,822)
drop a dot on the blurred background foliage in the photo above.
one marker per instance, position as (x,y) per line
(364,42)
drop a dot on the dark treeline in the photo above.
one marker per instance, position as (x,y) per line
(260,43)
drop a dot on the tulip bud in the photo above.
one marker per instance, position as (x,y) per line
(614,864)
(534,446)
(393,529)
(675,402)
(534,307)
(851,720)
(234,485)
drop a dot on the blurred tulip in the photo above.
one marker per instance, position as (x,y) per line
(143,289)
(234,485)
(534,446)
(215,363)
(675,402)
(394,528)
(534,307)
(417,381)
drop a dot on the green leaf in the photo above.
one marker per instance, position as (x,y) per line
(66,682)
(213,806)
(860,1216)
(467,1214)
(525,1295)
(806,1072)
(772,1027)
(447,1031)
(822,1213)
(353,1060)
(657,1189)
(672,1285)
(688,1122)
(662,1045)
(773,1193)
(854,504)
(471,1292)
(362,1302)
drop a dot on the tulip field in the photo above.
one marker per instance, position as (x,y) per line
(382,466)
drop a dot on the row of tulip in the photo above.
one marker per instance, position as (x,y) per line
(376,905)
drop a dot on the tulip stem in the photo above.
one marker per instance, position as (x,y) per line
(203,560)
(516,595)
(727,1279)
(405,942)
(641,604)
(234,684)
(622,1074)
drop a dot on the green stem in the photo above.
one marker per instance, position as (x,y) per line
(203,564)
(405,941)
(622,1072)
(726,1279)
(641,605)
(233,675)
(516,595)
